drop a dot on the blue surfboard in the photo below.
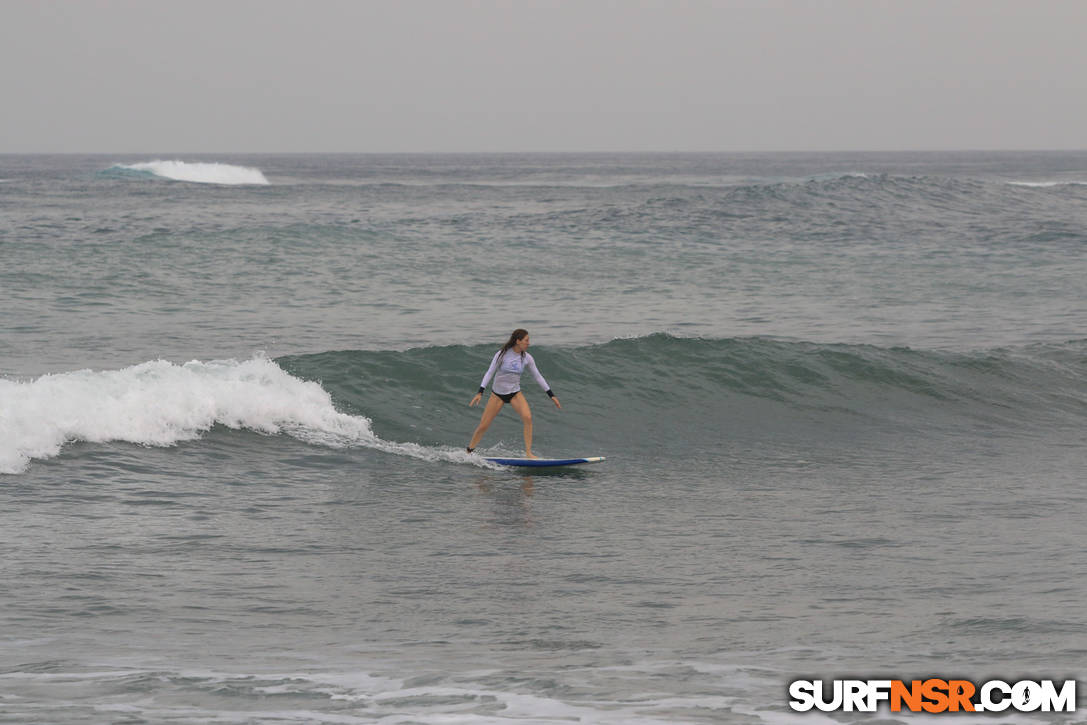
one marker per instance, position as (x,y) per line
(544,462)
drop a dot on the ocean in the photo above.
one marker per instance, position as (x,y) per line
(842,397)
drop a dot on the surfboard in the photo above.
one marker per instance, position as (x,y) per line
(542,462)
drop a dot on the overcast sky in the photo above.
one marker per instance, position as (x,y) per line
(146,76)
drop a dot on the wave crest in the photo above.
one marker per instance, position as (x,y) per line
(1047,184)
(201,173)
(163,403)
(159,403)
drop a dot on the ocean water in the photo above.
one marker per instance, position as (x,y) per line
(843,400)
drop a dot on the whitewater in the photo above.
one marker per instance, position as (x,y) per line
(159,403)
(199,172)
(842,399)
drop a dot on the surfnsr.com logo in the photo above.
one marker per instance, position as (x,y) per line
(933,695)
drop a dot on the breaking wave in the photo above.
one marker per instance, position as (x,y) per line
(200,173)
(679,391)
(159,403)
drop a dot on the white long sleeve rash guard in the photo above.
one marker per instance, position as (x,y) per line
(507,368)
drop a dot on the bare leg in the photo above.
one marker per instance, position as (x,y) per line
(494,404)
(520,404)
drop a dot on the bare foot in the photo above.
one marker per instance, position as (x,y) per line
(529,454)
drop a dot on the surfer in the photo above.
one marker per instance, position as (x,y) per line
(506,367)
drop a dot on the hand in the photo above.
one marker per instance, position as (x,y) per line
(556,402)
(478,397)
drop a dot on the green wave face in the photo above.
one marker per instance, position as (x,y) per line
(685,394)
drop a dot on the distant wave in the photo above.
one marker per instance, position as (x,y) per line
(1047,184)
(835,176)
(615,181)
(832,207)
(159,403)
(201,173)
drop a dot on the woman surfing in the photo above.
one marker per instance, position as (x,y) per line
(506,367)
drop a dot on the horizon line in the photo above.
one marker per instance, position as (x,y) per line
(556,153)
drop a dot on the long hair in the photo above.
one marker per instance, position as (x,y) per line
(515,338)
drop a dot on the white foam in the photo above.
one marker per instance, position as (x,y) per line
(1047,184)
(160,403)
(201,173)
(837,175)
(382,699)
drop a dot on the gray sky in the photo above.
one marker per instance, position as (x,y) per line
(146,76)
